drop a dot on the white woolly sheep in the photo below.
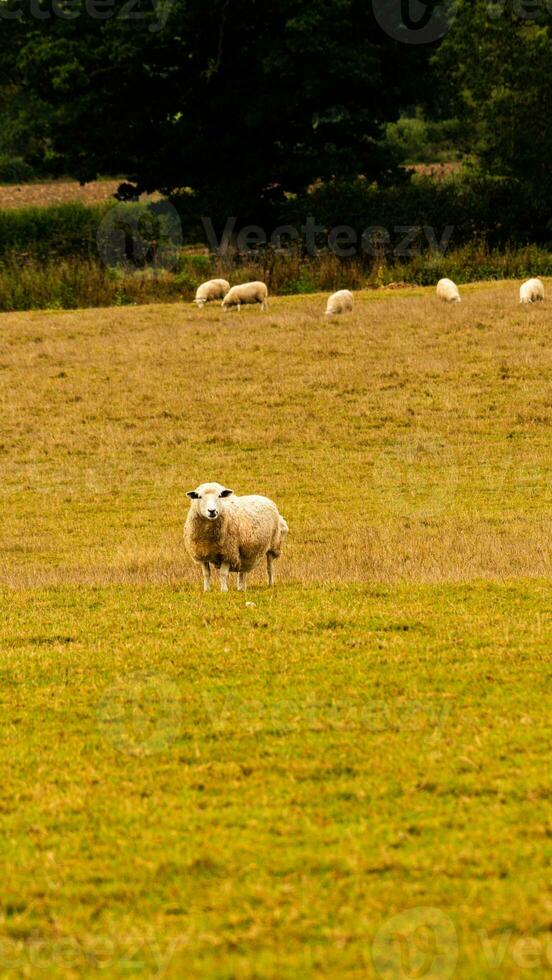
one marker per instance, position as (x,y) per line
(340,302)
(531,291)
(248,292)
(210,290)
(232,533)
(447,290)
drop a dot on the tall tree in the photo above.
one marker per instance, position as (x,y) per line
(241,100)
(495,65)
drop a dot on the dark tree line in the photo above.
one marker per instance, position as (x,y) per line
(246,101)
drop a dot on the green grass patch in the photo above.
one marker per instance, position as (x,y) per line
(235,790)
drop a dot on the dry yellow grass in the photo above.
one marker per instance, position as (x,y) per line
(407,441)
(44,193)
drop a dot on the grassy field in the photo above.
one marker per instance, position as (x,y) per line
(346,776)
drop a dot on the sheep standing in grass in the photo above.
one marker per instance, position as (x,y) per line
(208,291)
(531,291)
(232,533)
(447,290)
(248,292)
(340,302)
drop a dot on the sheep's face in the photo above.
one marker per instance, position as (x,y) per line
(201,302)
(210,499)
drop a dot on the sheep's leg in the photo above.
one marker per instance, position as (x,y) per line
(224,570)
(264,305)
(270,569)
(206,576)
(239,307)
(242,583)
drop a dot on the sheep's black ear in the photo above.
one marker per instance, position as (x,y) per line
(226,493)
(192,495)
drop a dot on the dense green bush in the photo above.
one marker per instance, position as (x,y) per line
(15,170)
(76,283)
(417,140)
(471,263)
(72,229)
(496,210)
(193,270)
(60,230)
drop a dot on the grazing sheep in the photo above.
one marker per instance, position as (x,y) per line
(248,292)
(340,302)
(232,533)
(447,290)
(212,289)
(531,291)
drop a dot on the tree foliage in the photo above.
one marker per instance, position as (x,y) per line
(235,98)
(496,61)
(248,102)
